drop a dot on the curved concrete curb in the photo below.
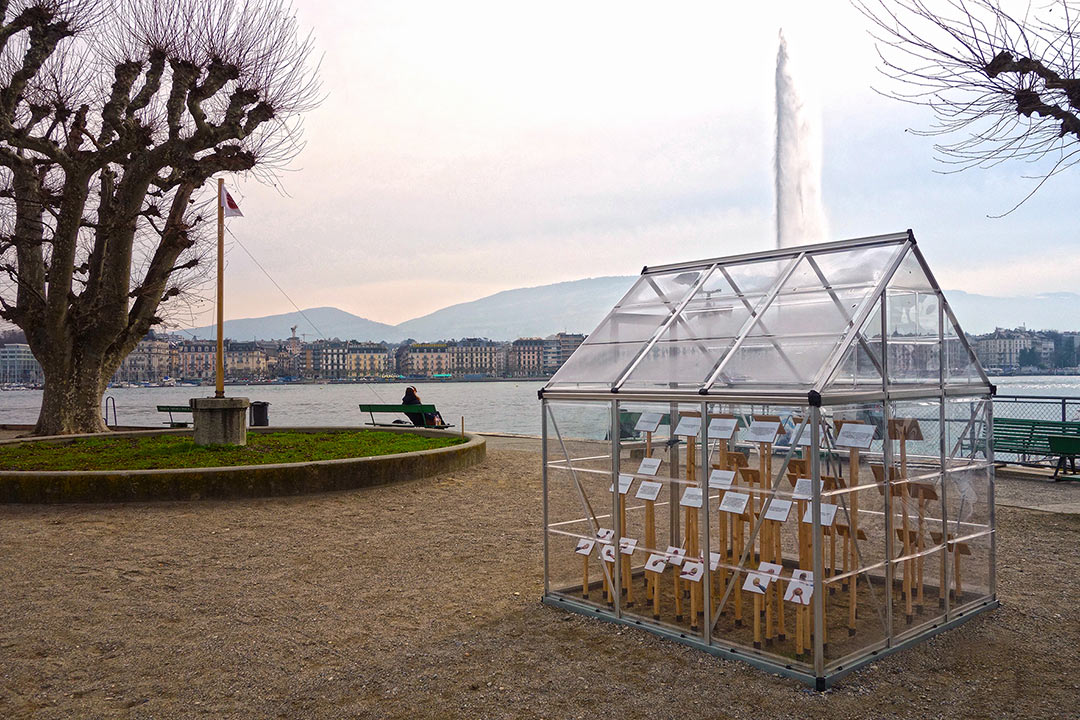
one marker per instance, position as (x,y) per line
(243,481)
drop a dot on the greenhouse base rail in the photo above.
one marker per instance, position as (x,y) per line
(820,683)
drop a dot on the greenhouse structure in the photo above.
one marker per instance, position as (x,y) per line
(779,457)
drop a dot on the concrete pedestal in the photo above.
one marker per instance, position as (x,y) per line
(220,421)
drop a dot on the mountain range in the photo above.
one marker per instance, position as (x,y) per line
(575,306)
(580,305)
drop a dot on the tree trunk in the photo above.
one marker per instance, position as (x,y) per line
(72,399)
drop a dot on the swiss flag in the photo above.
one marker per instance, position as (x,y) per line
(229,205)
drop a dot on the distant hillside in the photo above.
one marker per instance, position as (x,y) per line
(576,306)
(580,305)
(326,322)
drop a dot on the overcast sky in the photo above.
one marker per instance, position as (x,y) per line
(470,147)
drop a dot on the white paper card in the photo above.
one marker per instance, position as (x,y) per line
(757,582)
(656,563)
(649,466)
(762,431)
(584,546)
(721,479)
(675,555)
(627,545)
(693,571)
(688,426)
(721,428)
(803,576)
(734,502)
(804,439)
(778,510)
(799,593)
(855,435)
(828,514)
(648,490)
(648,422)
(691,497)
(608,553)
(804,488)
(714,560)
(770,569)
(605,535)
(625,481)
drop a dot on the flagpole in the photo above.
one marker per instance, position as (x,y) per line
(220,370)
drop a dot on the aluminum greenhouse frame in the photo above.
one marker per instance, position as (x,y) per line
(717,397)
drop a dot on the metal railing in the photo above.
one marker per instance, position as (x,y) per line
(1034,407)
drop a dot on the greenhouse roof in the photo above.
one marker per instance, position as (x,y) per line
(860,318)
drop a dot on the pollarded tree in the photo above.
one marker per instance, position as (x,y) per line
(1005,85)
(114,115)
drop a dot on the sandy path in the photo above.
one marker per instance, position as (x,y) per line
(421,600)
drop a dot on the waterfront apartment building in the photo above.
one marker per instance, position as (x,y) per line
(526,357)
(18,366)
(198,359)
(425,359)
(150,361)
(330,359)
(476,356)
(244,360)
(368,360)
(1002,348)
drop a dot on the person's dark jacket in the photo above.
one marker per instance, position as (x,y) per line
(411,398)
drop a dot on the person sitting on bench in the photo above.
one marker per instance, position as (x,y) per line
(418,419)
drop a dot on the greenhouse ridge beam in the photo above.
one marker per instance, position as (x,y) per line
(781,253)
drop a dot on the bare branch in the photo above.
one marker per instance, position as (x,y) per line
(1002,87)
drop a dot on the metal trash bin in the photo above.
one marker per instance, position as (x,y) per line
(260,415)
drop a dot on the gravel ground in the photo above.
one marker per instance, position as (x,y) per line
(421,600)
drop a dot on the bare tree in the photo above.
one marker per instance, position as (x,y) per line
(113,116)
(1005,85)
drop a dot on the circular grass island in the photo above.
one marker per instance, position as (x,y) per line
(167,465)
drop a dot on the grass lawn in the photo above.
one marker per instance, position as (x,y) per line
(175,451)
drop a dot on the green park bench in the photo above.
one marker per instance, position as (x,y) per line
(1066,447)
(175,409)
(424,410)
(1033,437)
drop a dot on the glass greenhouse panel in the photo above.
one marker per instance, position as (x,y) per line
(913,326)
(864,266)
(595,365)
(665,289)
(856,554)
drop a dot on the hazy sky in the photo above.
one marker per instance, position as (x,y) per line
(470,147)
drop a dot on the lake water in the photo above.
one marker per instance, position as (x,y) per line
(487,406)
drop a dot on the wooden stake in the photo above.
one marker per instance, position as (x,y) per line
(853,535)
(737,550)
(650,540)
(757,620)
(779,555)
(585,577)
(655,578)
(798,627)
